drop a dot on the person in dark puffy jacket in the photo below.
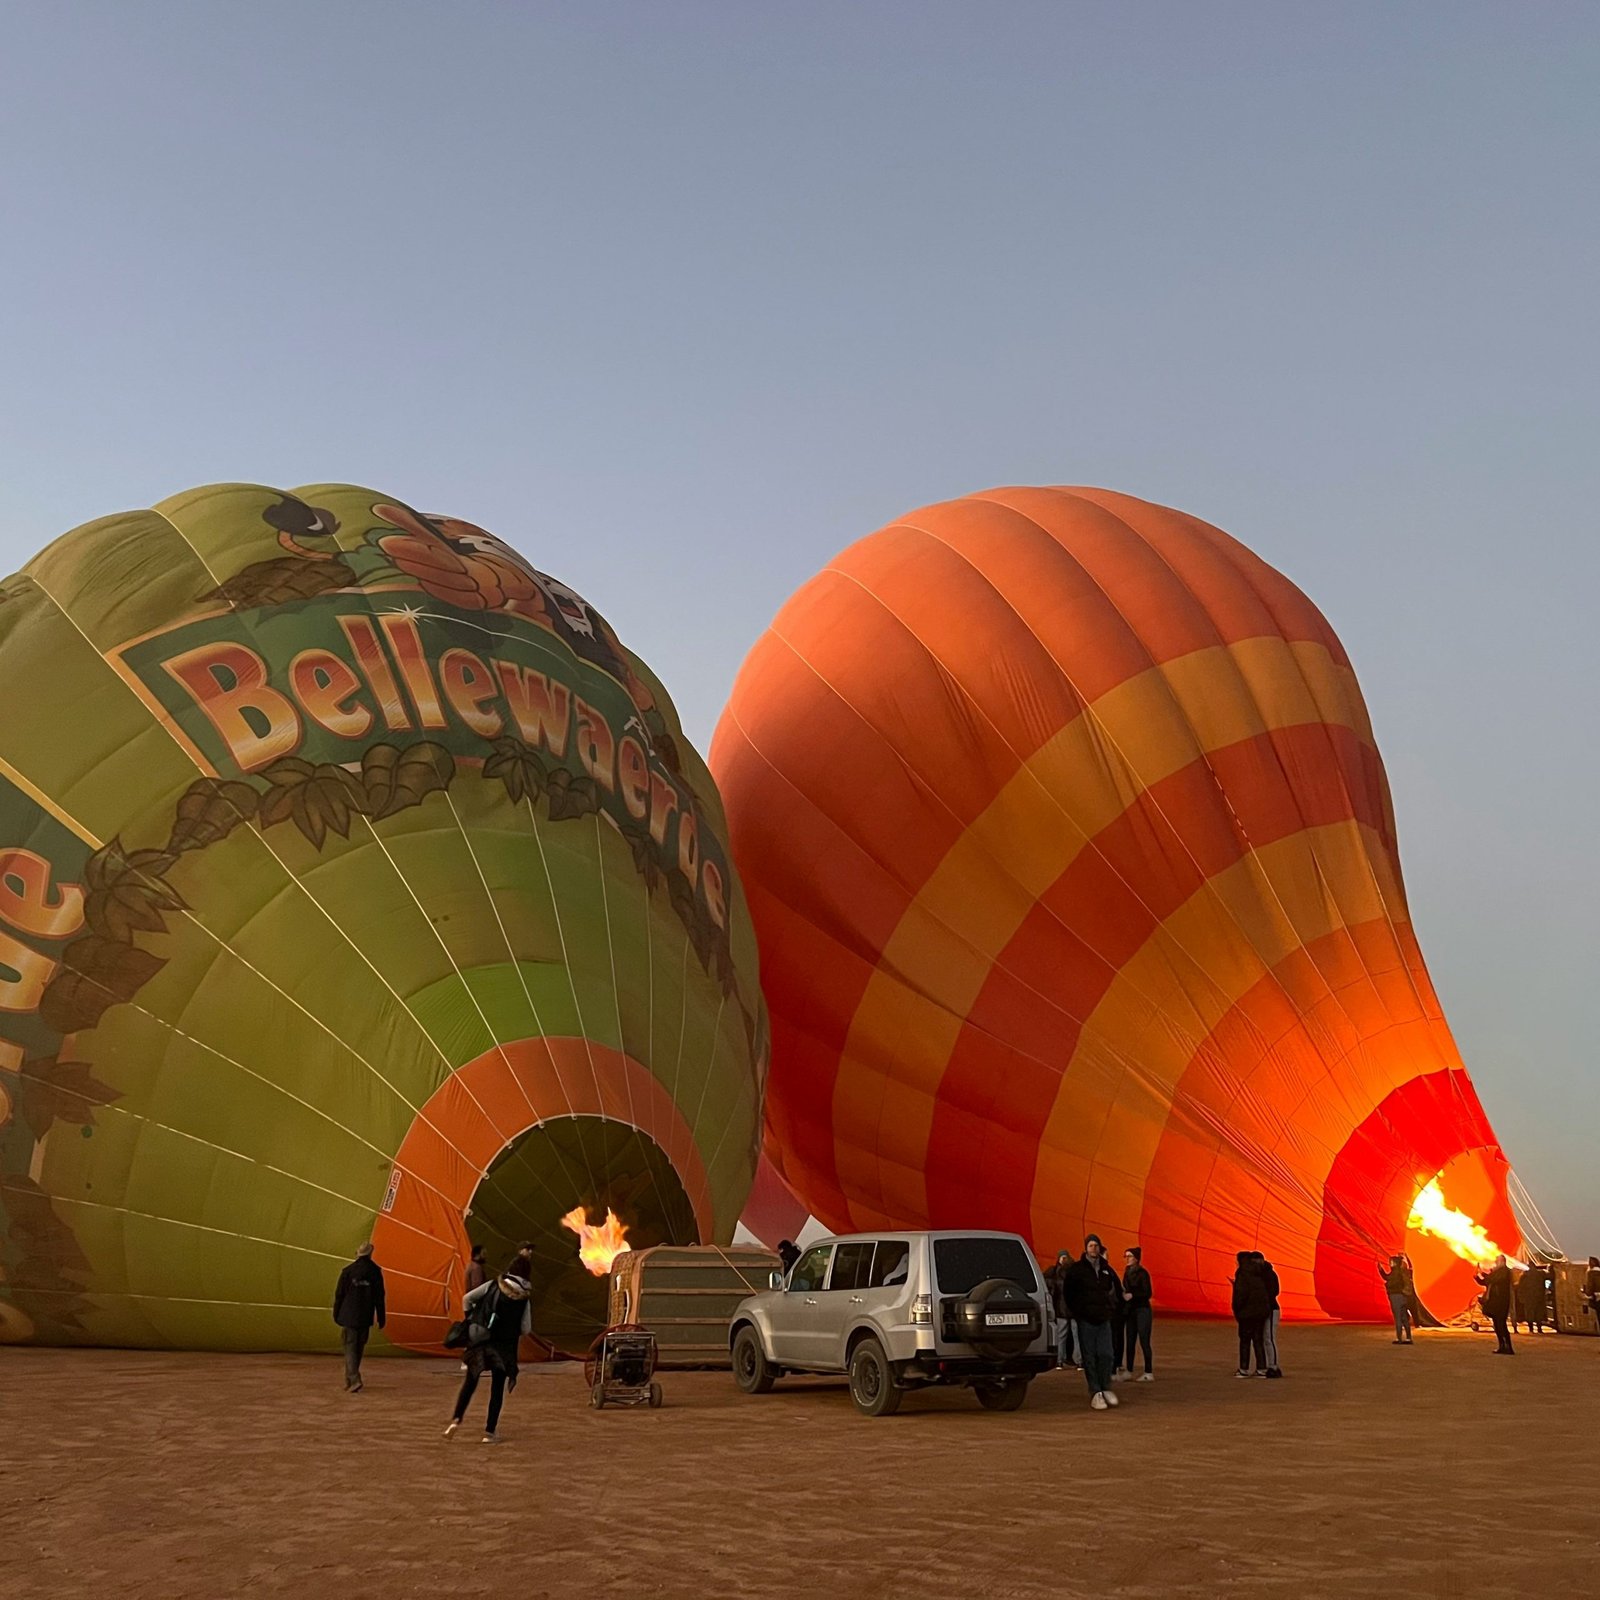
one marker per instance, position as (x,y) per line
(357,1304)
(1397,1285)
(1497,1303)
(1091,1289)
(1252,1302)
(1137,1317)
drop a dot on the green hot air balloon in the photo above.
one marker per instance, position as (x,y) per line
(355,881)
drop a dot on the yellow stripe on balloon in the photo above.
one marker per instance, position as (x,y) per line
(1150,726)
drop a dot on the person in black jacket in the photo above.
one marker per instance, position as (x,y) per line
(502,1310)
(1137,1292)
(1533,1298)
(1497,1303)
(357,1304)
(1251,1304)
(788,1254)
(1092,1290)
(1397,1285)
(1055,1280)
(1269,1329)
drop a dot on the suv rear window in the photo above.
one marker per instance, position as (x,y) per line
(962,1264)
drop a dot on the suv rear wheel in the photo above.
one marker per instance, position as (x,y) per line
(1005,1395)
(751,1369)
(872,1382)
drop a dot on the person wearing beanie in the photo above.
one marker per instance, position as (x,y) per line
(1137,1292)
(1251,1305)
(1092,1290)
(499,1315)
(357,1304)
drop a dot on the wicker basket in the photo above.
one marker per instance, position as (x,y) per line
(1572,1315)
(685,1294)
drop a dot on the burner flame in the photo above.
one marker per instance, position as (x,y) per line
(599,1244)
(1431,1214)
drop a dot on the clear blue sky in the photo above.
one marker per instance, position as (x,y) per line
(683,297)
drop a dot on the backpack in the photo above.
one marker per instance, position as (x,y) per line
(473,1329)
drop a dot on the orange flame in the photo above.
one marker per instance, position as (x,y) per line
(598,1246)
(1432,1215)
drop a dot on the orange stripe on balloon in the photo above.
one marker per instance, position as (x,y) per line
(481,1109)
(1309,1050)
(1045,976)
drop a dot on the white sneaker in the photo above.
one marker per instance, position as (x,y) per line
(1098,1403)
(1120,1377)
(1147,1377)
(489,1438)
(449,1432)
(1111,1399)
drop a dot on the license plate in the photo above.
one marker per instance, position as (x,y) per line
(1006,1319)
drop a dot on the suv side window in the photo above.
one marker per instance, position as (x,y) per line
(811,1270)
(890,1263)
(852,1265)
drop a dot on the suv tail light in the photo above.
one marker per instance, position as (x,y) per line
(922,1310)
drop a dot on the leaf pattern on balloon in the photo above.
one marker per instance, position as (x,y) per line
(395,778)
(518,766)
(317,799)
(126,892)
(568,796)
(209,810)
(47,1090)
(96,973)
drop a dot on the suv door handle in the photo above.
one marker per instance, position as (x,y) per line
(856,1300)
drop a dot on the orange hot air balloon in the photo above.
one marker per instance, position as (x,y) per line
(1073,867)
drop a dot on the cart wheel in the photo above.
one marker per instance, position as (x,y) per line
(597,1395)
(655,1396)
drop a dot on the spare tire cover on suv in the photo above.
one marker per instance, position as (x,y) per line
(977,1318)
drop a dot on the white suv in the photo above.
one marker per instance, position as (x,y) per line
(898,1311)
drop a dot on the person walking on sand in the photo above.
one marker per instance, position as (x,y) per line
(1269,1329)
(502,1311)
(1397,1285)
(1497,1303)
(357,1304)
(1055,1280)
(1137,1293)
(1532,1298)
(1090,1288)
(1251,1303)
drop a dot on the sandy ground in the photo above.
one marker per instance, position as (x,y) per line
(1369,1470)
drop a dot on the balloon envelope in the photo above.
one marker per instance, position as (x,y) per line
(355,881)
(1074,870)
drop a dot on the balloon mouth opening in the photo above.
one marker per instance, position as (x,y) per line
(1459,1223)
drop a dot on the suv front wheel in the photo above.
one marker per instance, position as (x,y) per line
(872,1381)
(751,1369)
